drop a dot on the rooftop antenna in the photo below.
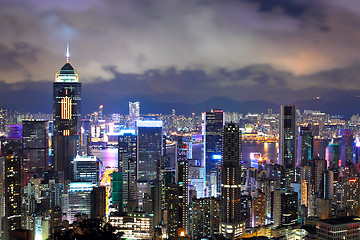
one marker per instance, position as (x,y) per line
(67,53)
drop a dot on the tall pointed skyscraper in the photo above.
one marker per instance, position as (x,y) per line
(67,119)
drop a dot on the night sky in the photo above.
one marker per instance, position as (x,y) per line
(280,51)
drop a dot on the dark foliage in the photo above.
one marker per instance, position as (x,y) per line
(89,229)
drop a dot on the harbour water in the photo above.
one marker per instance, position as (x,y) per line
(268,150)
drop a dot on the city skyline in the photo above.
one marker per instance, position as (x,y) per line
(280,52)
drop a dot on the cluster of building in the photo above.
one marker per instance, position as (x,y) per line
(50,181)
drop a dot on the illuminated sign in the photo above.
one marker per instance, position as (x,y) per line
(80,186)
(216,157)
(127,131)
(149,123)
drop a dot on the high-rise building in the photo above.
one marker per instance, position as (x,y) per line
(213,125)
(79,200)
(204,218)
(231,225)
(86,169)
(288,137)
(149,149)
(332,155)
(67,119)
(289,207)
(35,137)
(182,173)
(305,146)
(346,147)
(134,113)
(127,147)
(117,190)
(101,112)
(98,202)
(85,137)
(11,179)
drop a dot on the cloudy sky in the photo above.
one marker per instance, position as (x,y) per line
(280,51)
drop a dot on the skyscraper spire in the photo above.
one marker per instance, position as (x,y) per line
(67,53)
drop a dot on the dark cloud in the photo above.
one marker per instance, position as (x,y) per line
(185,50)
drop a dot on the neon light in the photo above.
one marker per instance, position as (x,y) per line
(216,157)
(149,123)
(127,131)
(352,180)
(80,186)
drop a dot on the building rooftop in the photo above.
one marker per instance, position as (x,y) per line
(340,220)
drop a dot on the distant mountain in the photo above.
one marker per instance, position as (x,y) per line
(346,106)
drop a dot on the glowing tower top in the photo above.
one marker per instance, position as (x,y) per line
(67,73)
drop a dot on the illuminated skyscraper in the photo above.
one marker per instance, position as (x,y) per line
(128,166)
(305,146)
(182,180)
(230,182)
(134,113)
(288,136)
(346,147)
(35,137)
(101,112)
(332,155)
(149,149)
(213,124)
(67,119)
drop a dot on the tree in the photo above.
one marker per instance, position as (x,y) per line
(89,229)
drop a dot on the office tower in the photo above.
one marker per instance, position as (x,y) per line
(332,155)
(204,218)
(117,191)
(346,147)
(318,168)
(127,147)
(329,185)
(338,228)
(182,182)
(230,181)
(305,146)
(98,202)
(197,176)
(35,137)
(276,207)
(288,136)
(213,125)
(86,169)
(101,112)
(149,149)
(134,113)
(356,150)
(85,137)
(289,208)
(79,200)
(67,119)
